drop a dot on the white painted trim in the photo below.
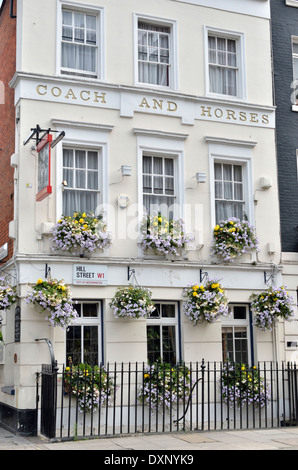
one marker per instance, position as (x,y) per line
(258,8)
(292,3)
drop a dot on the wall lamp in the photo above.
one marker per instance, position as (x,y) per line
(126,170)
(201,177)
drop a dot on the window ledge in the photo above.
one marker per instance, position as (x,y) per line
(295,106)
(292,3)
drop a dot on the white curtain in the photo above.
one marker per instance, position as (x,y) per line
(158,185)
(80,171)
(153,47)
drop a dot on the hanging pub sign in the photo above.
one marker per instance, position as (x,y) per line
(44,167)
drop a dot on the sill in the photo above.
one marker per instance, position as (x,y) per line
(295,106)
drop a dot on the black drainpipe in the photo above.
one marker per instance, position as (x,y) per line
(11,10)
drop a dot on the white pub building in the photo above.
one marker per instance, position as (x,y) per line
(162,107)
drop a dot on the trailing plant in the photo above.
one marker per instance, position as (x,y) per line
(54,297)
(8,295)
(165,385)
(271,305)
(132,302)
(233,238)
(81,234)
(91,386)
(242,384)
(205,303)
(163,235)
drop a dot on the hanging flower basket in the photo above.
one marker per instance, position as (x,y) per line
(165,386)
(53,297)
(8,295)
(270,305)
(233,238)
(205,303)
(132,302)
(81,234)
(90,386)
(164,236)
(243,385)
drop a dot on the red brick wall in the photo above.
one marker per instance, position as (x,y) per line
(7,121)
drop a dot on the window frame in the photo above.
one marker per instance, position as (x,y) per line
(75,169)
(92,321)
(240,54)
(173,72)
(171,145)
(88,137)
(164,321)
(163,176)
(230,322)
(236,152)
(243,201)
(99,12)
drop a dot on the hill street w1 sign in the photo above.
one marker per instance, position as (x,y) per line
(88,274)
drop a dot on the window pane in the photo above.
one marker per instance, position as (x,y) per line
(80,179)
(92,161)
(91,22)
(91,345)
(79,20)
(80,159)
(157,165)
(169,166)
(153,343)
(168,311)
(67,158)
(239,312)
(169,344)
(67,17)
(90,310)
(73,345)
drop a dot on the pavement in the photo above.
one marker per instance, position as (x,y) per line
(152,445)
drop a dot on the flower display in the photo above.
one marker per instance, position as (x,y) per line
(91,386)
(133,302)
(233,237)
(270,305)
(205,303)
(8,295)
(81,234)
(54,297)
(163,235)
(165,386)
(241,384)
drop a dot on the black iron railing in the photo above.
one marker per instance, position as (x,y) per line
(140,398)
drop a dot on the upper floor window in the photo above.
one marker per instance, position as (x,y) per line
(81,172)
(295,69)
(229,191)
(159,184)
(225,67)
(154,54)
(155,51)
(80,43)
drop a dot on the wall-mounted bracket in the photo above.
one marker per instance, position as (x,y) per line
(203,275)
(268,278)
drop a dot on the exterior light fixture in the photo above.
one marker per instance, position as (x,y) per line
(126,170)
(201,177)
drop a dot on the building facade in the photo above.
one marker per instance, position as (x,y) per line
(162,105)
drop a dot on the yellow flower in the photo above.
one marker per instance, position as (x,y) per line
(195,287)
(81,221)
(154,224)
(75,214)
(59,221)
(202,288)
(159,219)
(216,228)
(243,368)
(84,215)
(146,376)
(195,294)
(39,281)
(63,288)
